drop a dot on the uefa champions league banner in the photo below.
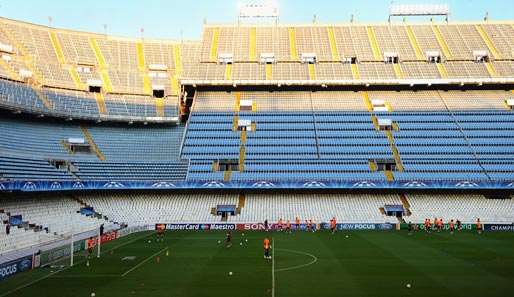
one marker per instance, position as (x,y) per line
(499,227)
(13,267)
(40,185)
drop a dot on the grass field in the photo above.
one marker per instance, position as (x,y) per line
(362,263)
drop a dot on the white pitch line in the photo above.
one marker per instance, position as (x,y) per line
(52,273)
(314,260)
(273,267)
(85,276)
(143,262)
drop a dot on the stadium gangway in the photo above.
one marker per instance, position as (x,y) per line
(141,65)
(104,73)
(414,43)
(100,102)
(62,60)
(333,45)
(253,44)
(442,43)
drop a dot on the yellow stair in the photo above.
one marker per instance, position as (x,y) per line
(355,71)
(389,175)
(92,143)
(367,102)
(43,97)
(226,175)
(243,137)
(62,60)
(102,65)
(374,44)
(140,56)
(242,201)
(312,72)
(175,87)
(269,72)
(241,158)
(490,69)
(253,44)
(374,120)
(141,65)
(177,59)
(57,47)
(76,78)
(100,102)
(237,101)
(213,57)
(394,149)
(293,53)
(228,72)
(414,43)
(236,119)
(333,46)
(159,107)
(442,70)
(488,42)
(398,71)
(372,166)
(442,42)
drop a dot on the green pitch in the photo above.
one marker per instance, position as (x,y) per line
(305,264)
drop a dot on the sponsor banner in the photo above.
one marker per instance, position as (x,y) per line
(361,226)
(109,236)
(260,226)
(106,237)
(499,227)
(200,227)
(11,268)
(445,226)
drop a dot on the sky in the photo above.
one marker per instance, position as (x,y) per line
(183,19)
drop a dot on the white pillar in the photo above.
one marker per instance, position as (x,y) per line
(71,249)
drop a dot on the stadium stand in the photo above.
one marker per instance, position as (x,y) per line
(43,219)
(396,106)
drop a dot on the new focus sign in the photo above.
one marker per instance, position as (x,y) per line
(16,266)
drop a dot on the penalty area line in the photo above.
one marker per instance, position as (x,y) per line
(143,262)
(58,271)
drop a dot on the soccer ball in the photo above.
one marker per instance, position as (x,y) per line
(149,241)
(246,240)
(219,241)
(241,243)
(230,273)
(346,236)
(242,234)
(93,294)
(408,286)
